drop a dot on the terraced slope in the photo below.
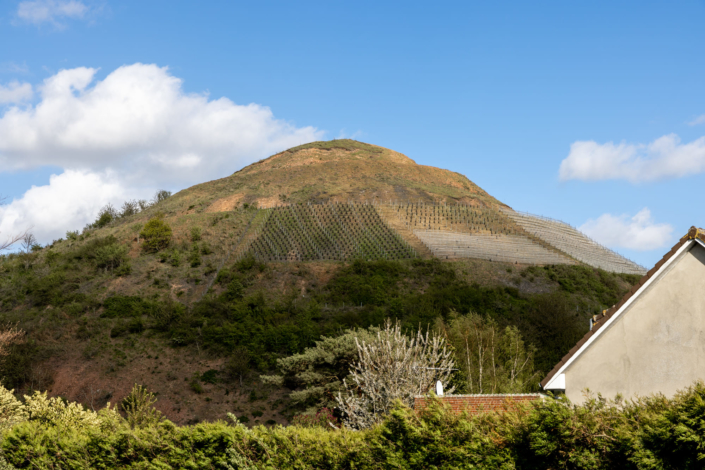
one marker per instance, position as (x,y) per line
(456,217)
(327,232)
(311,232)
(575,243)
(500,247)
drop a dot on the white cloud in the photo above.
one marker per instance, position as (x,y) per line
(15,92)
(663,158)
(138,126)
(51,11)
(68,202)
(639,232)
(139,122)
(698,120)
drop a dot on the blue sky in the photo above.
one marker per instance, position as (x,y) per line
(588,112)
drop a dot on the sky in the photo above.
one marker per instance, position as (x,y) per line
(592,113)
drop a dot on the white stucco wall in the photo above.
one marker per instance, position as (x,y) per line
(656,345)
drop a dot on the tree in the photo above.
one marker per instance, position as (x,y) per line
(106,215)
(156,234)
(161,195)
(492,360)
(9,336)
(139,408)
(129,208)
(28,242)
(393,367)
(239,363)
(317,374)
(13,238)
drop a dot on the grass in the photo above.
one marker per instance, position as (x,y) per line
(338,144)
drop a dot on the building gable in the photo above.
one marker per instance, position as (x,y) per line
(662,318)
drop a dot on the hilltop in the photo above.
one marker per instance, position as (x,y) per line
(335,171)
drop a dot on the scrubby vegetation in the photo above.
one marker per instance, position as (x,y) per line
(54,296)
(654,433)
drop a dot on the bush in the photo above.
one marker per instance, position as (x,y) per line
(195,234)
(139,408)
(194,257)
(653,433)
(161,195)
(121,306)
(110,257)
(12,411)
(156,234)
(323,418)
(106,215)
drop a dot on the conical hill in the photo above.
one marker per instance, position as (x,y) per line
(335,171)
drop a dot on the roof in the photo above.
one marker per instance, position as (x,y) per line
(486,395)
(602,319)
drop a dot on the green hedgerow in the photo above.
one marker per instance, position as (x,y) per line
(156,234)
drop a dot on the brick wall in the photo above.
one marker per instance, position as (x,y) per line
(479,403)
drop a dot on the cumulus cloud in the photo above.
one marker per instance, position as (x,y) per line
(665,157)
(15,92)
(639,232)
(698,120)
(136,125)
(68,202)
(51,11)
(138,121)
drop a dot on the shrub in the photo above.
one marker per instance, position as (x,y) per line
(323,418)
(125,269)
(210,376)
(106,215)
(194,257)
(110,257)
(195,234)
(195,384)
(11,410)
(55,411)
(139,408)
(73,236)
(121,306)
(161,195)
(156,234)
(129,208)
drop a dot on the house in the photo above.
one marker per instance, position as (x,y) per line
(652,341)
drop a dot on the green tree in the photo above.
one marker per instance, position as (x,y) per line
(317,374)
(110,257)
(491,359)
(156,234)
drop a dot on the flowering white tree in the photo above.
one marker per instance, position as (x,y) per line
(393,367)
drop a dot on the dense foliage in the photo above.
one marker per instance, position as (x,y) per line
(652,433)
(156,235)
(255,329)
(490,359)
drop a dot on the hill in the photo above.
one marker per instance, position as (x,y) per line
(335,171)
(260,264)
